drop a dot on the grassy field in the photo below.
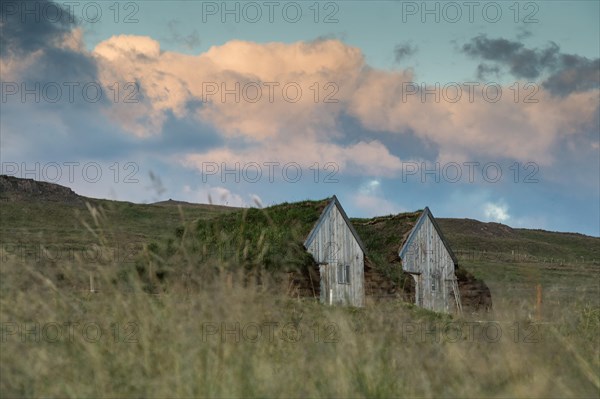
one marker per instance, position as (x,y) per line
(62,224)
(211,332)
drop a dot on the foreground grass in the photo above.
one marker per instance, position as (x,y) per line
(230,340)
(212,332)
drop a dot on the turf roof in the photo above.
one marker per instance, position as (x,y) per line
(383,237)
(272,237)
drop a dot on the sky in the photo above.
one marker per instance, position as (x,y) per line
(483,110)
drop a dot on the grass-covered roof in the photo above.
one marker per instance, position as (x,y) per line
(271,238)
(383,237)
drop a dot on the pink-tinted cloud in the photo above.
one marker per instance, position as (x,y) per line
(506,128)
(471,127)
(281,89)
(362,158)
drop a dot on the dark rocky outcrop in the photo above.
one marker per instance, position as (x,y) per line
(17,189)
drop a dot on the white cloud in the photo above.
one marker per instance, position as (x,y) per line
(217,195)
(496,212)
(370,187)
(371,205)
(370,200)
(362,159)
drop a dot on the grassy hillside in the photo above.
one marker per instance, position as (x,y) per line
(513,262)
(472,235)
(58,222)
(49,224)
(224,335)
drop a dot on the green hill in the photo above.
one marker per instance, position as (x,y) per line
(156,320)
(48,223)
(473,235)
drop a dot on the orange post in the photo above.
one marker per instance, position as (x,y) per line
(538,306)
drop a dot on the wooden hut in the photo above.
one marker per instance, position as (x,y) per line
(427,256)
(339,252)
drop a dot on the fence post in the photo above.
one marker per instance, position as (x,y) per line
(538,302)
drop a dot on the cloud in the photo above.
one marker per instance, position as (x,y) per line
(499,212)
(370,200)
(217,195)
(522,62)
(577,74)
(42,49)
(566,73)
(371,205)
(23,35)
(523,33)
(377,99)
(189,41)
(496,212)
(473,129)
(485,70)
(403,51)
(371,187)
(274,88)
(362,158)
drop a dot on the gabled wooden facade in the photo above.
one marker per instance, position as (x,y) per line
(340,253)
(427,256)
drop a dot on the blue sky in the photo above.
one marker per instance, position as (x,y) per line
(399,106)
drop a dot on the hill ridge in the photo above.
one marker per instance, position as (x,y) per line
(14,188)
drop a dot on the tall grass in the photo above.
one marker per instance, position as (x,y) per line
(198,336)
